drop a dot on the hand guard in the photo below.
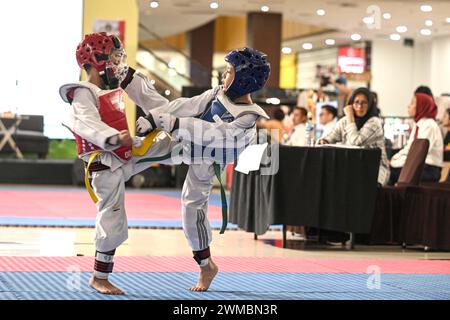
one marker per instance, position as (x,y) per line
(143,126)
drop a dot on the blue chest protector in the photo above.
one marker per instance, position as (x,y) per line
(224,154)
(216,108)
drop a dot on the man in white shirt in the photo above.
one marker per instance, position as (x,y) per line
(297,136)
(328,117)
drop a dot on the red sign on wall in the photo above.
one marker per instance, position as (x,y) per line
(351,60)
(114,27)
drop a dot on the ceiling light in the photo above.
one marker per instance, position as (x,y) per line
(395,36)
(307,46)
(167,92)
(428,23)
(264,8)
(330,42)
(286,50)
(320,12)
(213,5)
(355,37)
(401,29)
(425,32)
(154,4)
(273,101)
(447,20)
(386,16)
(152,82)
(369,20)
(426,8)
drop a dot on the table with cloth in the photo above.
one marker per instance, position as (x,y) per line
(325,187)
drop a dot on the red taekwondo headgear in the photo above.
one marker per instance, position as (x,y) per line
(97,50)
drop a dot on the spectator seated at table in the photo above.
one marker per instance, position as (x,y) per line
(297,136)
(423,109)
(328,117)
(361,127)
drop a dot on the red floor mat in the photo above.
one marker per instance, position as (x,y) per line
(226,264)
(78,205)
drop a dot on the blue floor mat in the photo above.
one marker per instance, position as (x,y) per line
(227,286)
(90,223)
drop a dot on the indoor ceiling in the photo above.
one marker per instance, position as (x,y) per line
(345,16)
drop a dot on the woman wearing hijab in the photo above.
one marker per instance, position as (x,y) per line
(423,109)
(362,127)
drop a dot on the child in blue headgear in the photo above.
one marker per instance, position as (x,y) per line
(212,134)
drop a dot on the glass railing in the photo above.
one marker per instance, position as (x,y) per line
(169,63)
(166,71)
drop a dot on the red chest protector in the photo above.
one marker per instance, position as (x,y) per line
(111,108)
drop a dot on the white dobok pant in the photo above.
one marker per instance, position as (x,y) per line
(111,228)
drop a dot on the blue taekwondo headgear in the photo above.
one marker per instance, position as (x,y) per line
(251,71)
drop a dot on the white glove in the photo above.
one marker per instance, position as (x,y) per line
(164,121)
(143,126)
(137,141)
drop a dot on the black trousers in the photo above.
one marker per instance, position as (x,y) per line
(429,174)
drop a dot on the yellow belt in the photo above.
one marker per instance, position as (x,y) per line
(139,151)
(86,176)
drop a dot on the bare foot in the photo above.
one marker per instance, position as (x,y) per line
(205,277)
(104,286)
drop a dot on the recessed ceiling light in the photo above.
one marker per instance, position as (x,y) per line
(386,16)
(447,20)
(273,101)
(369,20)
(167,92)
(152,82)
(330,42)
(395,36)
(401,29)
(425,32)
(213,5)
(286,50)
(426,8)
(320,12)
(154,4)
(428,23)
(307,46)
(264,8)
(355,37)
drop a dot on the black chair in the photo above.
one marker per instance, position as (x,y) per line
(388,221)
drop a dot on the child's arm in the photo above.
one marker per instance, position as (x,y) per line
(190,107)
(85,121)
(144,94)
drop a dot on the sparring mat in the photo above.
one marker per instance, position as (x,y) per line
(37,206)
(241,278)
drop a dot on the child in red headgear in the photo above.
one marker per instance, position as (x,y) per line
(97,119)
